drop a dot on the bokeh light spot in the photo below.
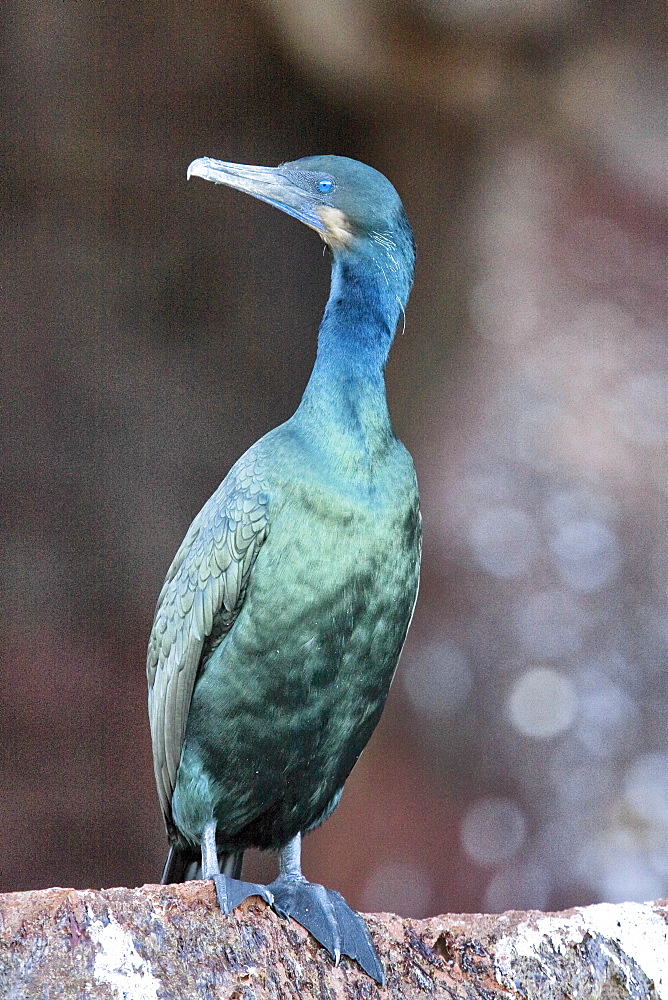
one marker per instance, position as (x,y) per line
(504,541)
(608,715)
(542,703)
(586,552)
(520,887)
(493,830)
(646,788)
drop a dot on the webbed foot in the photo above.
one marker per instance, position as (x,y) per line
(327,916)
(231,891)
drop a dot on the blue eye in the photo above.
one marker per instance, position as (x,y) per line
(325,186)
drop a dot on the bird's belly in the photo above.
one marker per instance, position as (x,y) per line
(287,702)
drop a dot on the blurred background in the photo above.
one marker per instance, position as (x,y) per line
(153,329)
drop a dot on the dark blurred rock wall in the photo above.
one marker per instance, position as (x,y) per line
(151,330)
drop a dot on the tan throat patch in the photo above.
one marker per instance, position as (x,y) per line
(338,230)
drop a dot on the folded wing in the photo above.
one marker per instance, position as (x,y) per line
(198,604)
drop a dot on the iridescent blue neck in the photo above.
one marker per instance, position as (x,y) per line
(369,291)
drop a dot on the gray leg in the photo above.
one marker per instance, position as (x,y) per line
(290,858)
(323,912)
(210,866)
(230,891)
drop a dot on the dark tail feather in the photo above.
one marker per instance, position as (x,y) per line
(231,864)
(185,863)
(180,864)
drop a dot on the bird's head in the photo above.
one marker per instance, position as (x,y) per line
(347,202)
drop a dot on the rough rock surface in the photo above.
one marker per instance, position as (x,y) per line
(172,943)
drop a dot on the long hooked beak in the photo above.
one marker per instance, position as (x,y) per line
(266,183)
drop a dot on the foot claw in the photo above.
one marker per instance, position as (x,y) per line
(327,916)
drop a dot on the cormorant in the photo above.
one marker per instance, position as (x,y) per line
(283,614)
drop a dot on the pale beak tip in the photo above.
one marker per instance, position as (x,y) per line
(195,168)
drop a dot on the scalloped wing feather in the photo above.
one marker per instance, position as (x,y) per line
(204,586)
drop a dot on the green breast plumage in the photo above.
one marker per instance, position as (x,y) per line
(286,699)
